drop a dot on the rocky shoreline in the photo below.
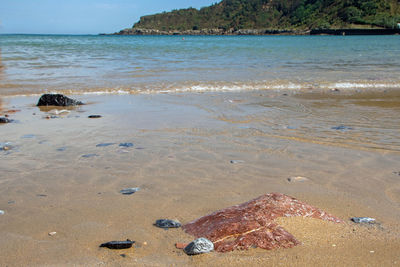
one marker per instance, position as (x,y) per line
(140,31)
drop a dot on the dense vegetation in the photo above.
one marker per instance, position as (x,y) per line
(279,14)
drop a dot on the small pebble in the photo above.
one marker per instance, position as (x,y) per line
(2,212)
(118,244)
(297,179)
(89,155)
(236,161)
(126,144)
(105,144)
(333,245)
(199,246)
(342,128)
(166,223)
(372,251)
(5,120)
(94,116)
(52,233)
(363,220)
(144,243)
(129,191)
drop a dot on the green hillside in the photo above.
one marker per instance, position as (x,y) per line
(278,14)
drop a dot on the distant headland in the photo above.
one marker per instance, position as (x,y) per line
(281,17)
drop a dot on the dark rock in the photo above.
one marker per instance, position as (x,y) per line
(105,144)
(57,100)
(94,116)
(165,223)
(129,191)
(118,244)
(236,161)
(5,120)
(126,144)
(199,246)
(89,155)
(253,223)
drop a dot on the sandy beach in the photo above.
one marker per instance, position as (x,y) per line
(192,154)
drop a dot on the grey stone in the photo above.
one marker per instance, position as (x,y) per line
(129,191)
(199,246)
(363,220)
(166,223)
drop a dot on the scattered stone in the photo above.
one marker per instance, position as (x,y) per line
(253,223)
(61,149)
(105,144)
(366,220)
(335,90)
(199,246)
(94,116)
(236,161)
(2,212)
(126,144)
(52,233)
(89,155)
(342,128)
(5,146)
(11,202)
(144,243)
(295,179)
(129,191)
(5,120)
(41,195)
(57,100)
(398,173)
(165,223)
(118,244)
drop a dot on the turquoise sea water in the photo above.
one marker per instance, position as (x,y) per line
(32,64)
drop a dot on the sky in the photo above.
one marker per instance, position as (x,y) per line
(82,16)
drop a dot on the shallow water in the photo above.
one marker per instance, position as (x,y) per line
(150,64)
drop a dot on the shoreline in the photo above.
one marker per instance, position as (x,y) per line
(259,32)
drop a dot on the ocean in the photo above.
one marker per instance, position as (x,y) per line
(33,64)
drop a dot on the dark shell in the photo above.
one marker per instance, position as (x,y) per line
(118,244)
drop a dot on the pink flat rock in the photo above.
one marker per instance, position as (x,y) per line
(252,224)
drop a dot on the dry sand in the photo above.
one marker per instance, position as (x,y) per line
(181,160)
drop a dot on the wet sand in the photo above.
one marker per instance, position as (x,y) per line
(181,160)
